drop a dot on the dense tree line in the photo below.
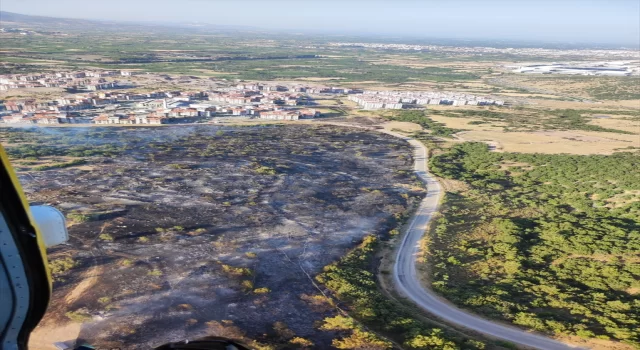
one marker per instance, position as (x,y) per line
(352,281)
(548,242)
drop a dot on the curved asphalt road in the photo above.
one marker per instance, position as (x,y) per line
(407,282)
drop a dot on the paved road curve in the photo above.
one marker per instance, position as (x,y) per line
(407,281)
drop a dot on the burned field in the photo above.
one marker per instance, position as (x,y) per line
(184,232)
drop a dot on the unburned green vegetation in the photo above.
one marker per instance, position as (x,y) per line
(60,165)
(61,266)
(343,69)
(80,315)
(548,242)
(352,281)
(237,56)
(620,88)
(79,142)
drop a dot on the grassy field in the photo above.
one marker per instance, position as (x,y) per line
(552,131)
(574,87)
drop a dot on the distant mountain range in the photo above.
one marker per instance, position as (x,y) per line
(17,20)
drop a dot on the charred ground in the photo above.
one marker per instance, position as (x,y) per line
(175,227)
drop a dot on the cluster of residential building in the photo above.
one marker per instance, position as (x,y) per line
(479,50)
(41,117)
(91,100)
(77,81)
(271,101)
(254,100)
(405,99)
(151,111)
(24,31)
(194,114)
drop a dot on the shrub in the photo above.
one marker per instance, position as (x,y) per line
(236,271)
(106,237)
(361,339)
(265,170)
(179,166)
(338,323)
(301,342)
(184,307)
(433,340)
(59,165)
(247,285)
(80,315)
(60,266)
(197,232)
(155,272)
(318,302)
(78,217)
(282,330)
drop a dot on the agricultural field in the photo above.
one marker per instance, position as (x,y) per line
(221,55)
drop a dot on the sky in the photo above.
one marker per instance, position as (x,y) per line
(559,21)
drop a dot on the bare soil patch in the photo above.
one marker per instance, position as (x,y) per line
(555,142)
(619,123)
(402,126)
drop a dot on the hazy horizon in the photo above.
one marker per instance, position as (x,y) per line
(614,22)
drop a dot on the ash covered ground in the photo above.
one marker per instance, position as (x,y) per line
(174,227)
